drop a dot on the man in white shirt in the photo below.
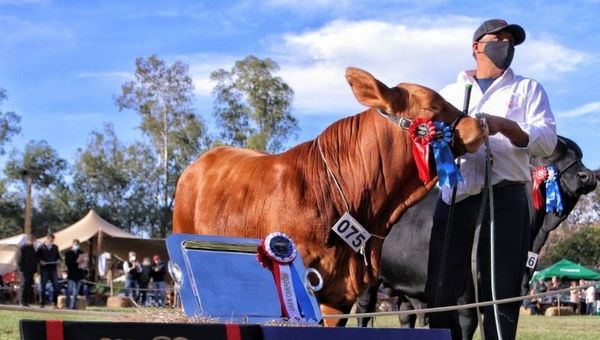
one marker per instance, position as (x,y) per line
(520,124)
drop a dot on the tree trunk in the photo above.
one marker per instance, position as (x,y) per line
(28,205)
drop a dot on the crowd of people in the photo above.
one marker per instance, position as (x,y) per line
(144,282)
(584,301)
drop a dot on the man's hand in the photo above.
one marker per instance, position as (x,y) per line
(43,263)
(510,129)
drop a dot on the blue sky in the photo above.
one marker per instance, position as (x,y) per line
(61,62)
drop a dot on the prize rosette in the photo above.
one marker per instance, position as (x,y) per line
(448,173)
(539,176)
(277,253)
(422,132)
(553,197)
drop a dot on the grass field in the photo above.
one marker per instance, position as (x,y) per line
(530,327)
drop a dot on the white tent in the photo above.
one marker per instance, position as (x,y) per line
(8,253)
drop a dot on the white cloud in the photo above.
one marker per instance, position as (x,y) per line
(14,29)
(119,75)
(427,51)
(593,107)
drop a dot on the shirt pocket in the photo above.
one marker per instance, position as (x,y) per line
(515,108)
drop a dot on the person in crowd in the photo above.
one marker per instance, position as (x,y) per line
(574,296)
(532,303)
(132,269)
(516,112)
(145,280)
(49,258)
(582,293)
(541,287)
(554,284)
(158,280)
(27,263)
(75,259)
(590,300)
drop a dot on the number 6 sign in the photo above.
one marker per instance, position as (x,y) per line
(351,232)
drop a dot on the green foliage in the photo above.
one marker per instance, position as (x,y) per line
(253,107)
(9,124)
(39,161)
(163,95)
(582,247)
(11,212)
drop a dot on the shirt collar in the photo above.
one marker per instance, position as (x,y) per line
(469,76)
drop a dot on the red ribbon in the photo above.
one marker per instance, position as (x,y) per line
(422,132)
(539,175)
(233,331)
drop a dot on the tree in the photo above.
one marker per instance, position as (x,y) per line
(253,107)
(9,124)
(162,95)
(11,212)
(39,165)
(582,247)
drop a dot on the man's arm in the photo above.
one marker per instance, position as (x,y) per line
(509,128)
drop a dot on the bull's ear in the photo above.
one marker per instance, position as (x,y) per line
(368,90)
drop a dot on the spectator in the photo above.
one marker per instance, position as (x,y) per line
(554,284)
(158,278)
(590,300)
(582,293)
(49,257)
(145,279)
(574,296)
(531,303)
(27,263)
(541,287)
(132,270)
(75,259)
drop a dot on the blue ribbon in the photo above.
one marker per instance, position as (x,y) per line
(302,298)
(553,197)
(448,173)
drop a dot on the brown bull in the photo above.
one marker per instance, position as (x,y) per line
(244,193)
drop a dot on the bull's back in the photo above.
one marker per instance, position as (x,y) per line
(206,180)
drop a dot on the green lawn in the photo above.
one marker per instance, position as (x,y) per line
(530,327)
(9,321)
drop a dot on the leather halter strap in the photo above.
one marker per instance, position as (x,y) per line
(401,121)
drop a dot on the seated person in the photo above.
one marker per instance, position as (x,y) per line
(532,303)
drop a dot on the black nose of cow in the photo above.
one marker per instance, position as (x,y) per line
(588,178)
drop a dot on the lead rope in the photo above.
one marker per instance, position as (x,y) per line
(339,188)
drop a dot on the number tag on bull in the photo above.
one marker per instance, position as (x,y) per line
(351,232)
(532,259)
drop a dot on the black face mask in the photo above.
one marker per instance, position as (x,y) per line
(500,53)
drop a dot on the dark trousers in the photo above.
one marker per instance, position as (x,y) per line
(26,288)
(448,281)
(52,275)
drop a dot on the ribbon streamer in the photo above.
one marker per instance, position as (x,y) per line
(421,132)
(448,173)
(277,253)
(553,197)
(539,176)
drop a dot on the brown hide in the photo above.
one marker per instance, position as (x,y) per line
(242,193)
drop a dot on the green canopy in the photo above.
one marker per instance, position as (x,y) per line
(565,269)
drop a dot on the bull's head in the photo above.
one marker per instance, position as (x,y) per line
(410,101)
(575,178)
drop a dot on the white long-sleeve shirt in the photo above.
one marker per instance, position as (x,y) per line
(520,99)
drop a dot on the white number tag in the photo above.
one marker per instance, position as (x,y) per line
(351,232)
(532,259)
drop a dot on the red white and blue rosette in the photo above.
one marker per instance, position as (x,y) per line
(277,253)
(539,177)
(421,132)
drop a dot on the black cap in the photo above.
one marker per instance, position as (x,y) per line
(497,25)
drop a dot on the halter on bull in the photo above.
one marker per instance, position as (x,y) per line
(243,193)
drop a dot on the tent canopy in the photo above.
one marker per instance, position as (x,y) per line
(565,269)
(8,253)
(86,228)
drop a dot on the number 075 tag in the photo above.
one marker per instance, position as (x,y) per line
(351,231)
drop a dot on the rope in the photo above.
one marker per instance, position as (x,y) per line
(331,174)
(451,308)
